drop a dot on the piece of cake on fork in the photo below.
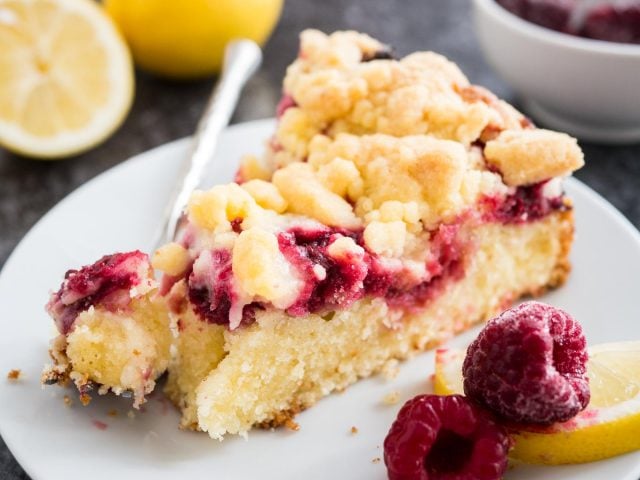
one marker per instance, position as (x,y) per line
(113,328)
(395,206)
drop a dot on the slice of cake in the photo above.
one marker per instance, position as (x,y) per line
(113,330)
(396,205)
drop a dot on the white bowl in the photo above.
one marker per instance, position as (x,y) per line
(588,88)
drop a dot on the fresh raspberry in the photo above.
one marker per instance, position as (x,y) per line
(437,437)
(553,14)
(529,366)
(517,7)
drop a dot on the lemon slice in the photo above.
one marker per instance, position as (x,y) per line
(66,76)
(609,426)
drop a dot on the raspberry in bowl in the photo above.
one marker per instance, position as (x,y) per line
(609,21)
(584,86)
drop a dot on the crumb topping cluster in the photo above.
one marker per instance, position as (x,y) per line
(329,90)
(370,129)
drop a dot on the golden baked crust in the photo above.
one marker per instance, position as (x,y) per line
(562,268)
(530,156)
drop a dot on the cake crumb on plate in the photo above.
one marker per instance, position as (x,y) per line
(391,398)
(14,374)
(292,425)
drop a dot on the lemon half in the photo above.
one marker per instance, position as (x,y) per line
(609,426)
(66,76)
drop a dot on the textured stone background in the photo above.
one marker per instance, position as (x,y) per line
(165,111)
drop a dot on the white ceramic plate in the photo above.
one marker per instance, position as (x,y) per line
(117,212)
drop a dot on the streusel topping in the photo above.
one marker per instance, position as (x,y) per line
(332,88)
(348,82)
(530,156)
(435,179)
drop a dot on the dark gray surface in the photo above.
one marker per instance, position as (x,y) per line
(166,111)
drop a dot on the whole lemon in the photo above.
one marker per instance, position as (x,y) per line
(186,39)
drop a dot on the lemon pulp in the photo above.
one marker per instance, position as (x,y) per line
(66,77)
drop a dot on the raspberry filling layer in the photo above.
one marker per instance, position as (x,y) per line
(211,289)
(352,277)
(344,276)
(330,282)
(106,283)
(527,204)
(335,282)
(446,263)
